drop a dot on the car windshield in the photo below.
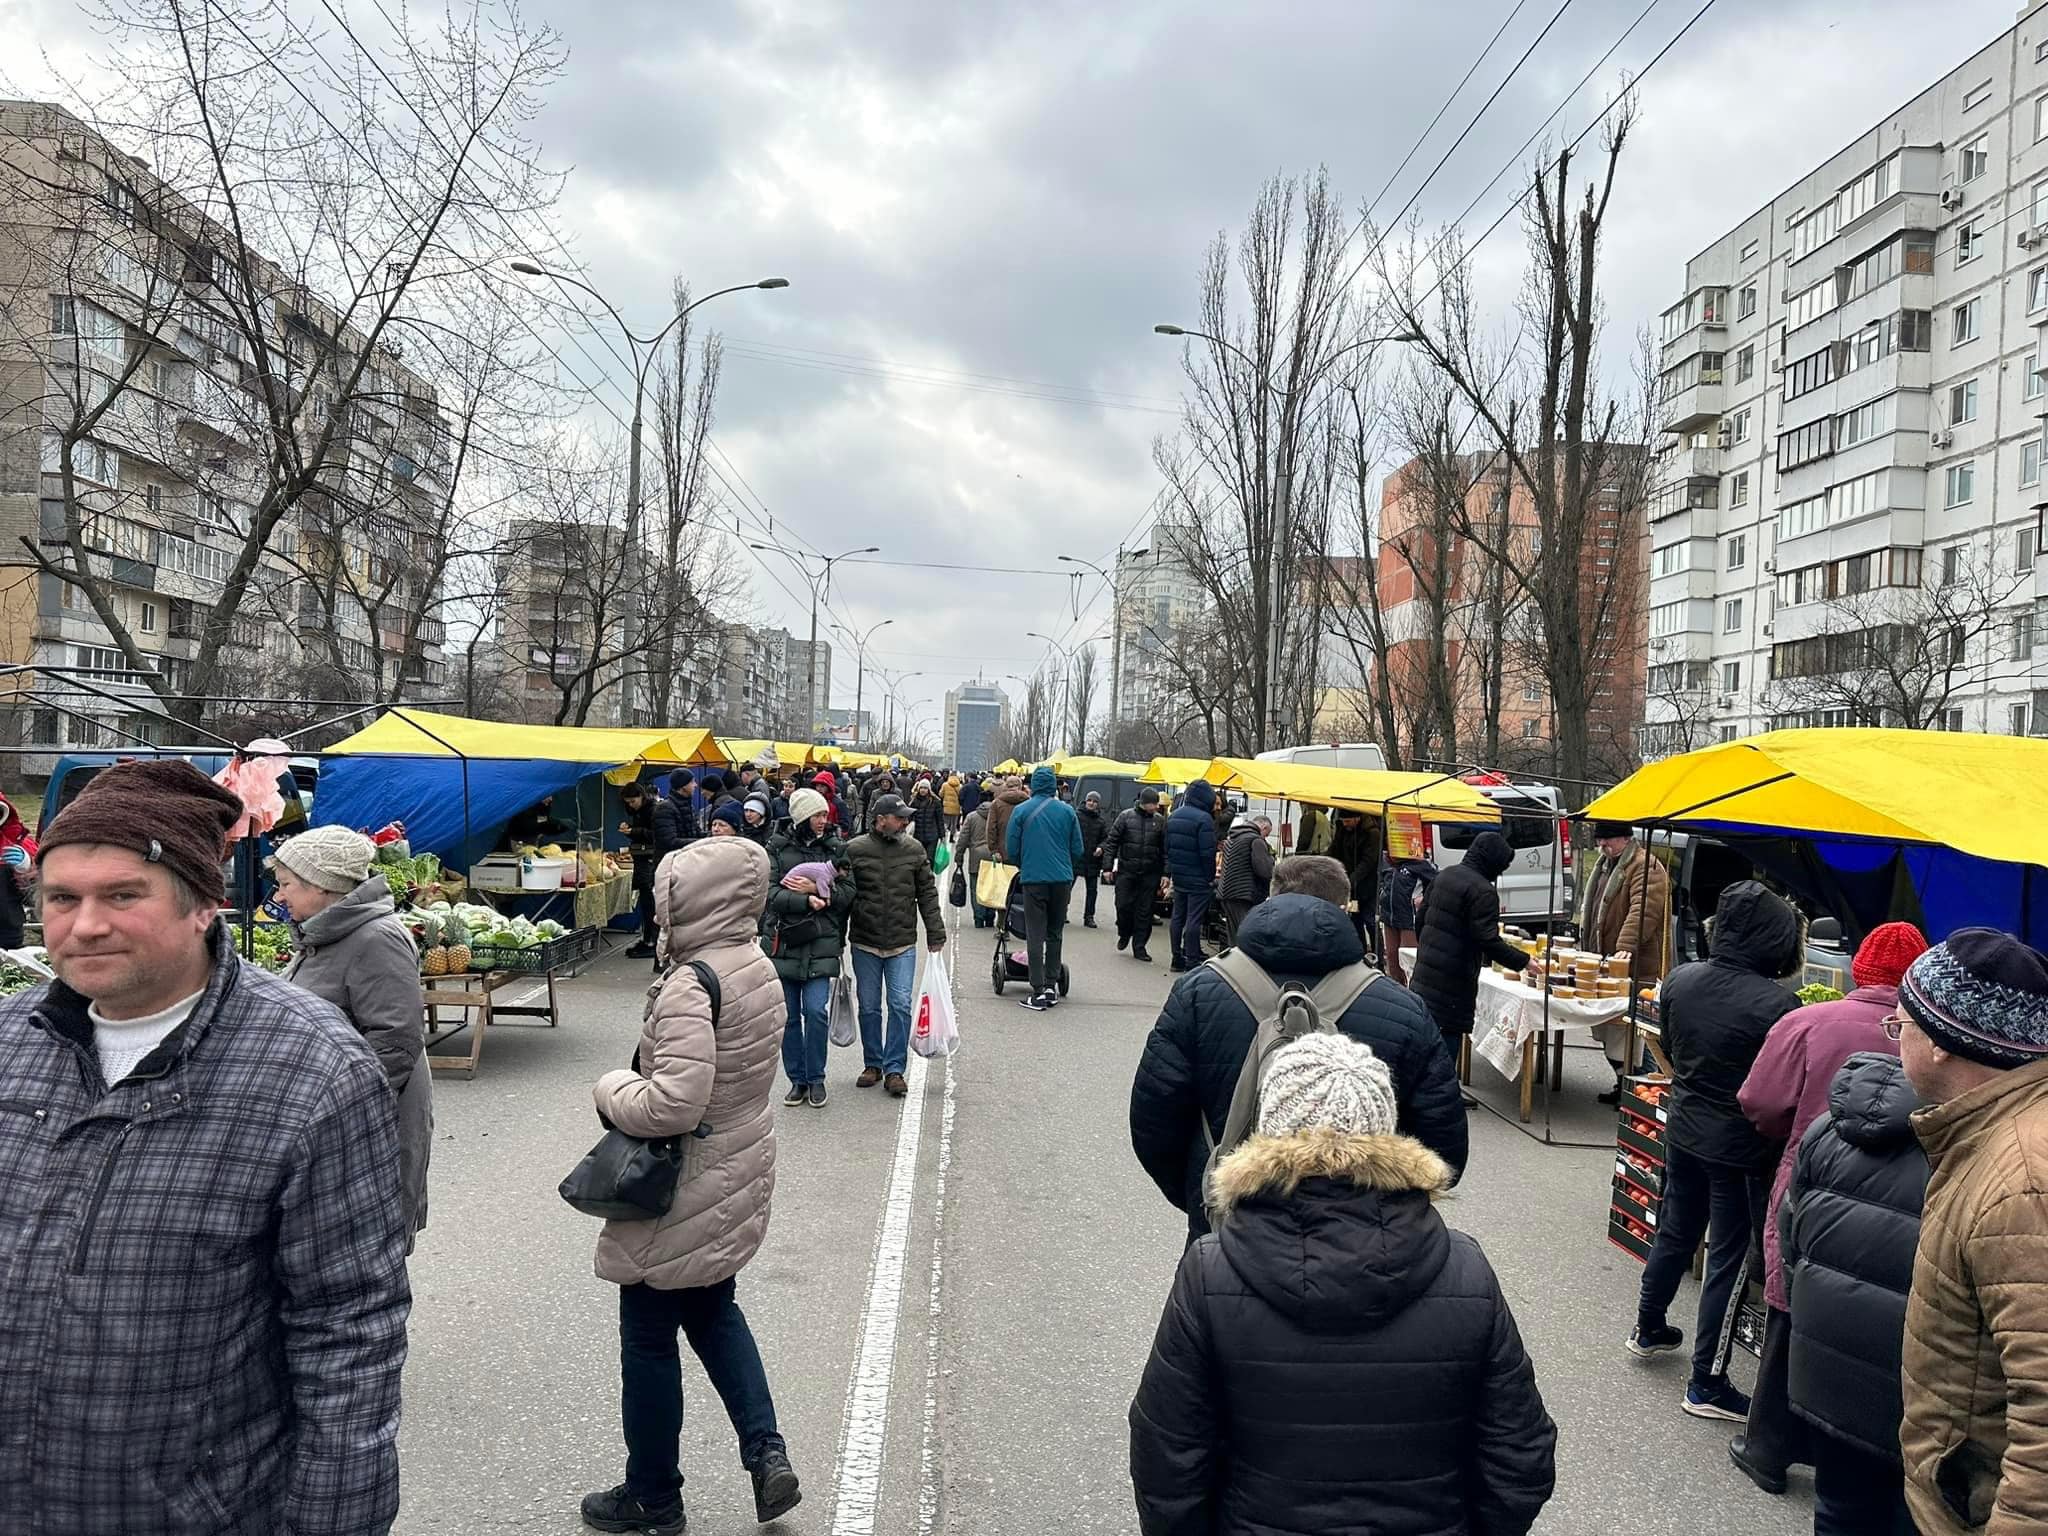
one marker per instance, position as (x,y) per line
(1525,823)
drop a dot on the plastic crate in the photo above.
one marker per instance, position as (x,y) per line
(551,955)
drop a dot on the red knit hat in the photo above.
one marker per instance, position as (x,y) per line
(1882,957)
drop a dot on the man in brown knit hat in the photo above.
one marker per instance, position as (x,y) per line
(199,1204)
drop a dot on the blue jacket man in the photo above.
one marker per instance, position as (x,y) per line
(1043,840)
(1191,865)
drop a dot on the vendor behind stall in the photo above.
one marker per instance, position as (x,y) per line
(1627,911)
(534,825)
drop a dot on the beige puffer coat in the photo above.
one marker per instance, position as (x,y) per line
(707,899)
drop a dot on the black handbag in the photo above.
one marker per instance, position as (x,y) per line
(956,888)
(633,1178)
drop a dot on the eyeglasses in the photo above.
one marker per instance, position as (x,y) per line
(1893,1023)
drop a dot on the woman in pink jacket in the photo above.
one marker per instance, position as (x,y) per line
(1785,1092)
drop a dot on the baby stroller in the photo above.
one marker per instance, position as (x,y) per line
(1011,964)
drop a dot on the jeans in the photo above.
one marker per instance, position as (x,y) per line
(1184,927)
(1777,1436)
(984,917)
(1856,1493)
(651,1380)
(1702,1199)
(1091,887)
(899,972)
(1045,921)
(1134,895)
(644,903)
(807,1029)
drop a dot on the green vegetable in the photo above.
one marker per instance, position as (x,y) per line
(1818,992)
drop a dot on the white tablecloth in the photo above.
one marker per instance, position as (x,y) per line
(1509,1013)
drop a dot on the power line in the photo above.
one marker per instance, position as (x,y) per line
(1087,390)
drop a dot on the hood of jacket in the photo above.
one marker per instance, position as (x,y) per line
(1335,1231)
(1243,823)
(1871,1102)
(1490,855)
(1044,781)
(1756,931)
(711,894)
(1297,935)
(365,904)
(1201,795)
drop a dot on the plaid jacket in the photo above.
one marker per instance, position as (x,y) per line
(203,1272)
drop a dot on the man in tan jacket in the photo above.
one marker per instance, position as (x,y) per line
(1972,1028)
(1627,911)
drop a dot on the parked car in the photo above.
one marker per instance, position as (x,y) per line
(1286,814)
(1538,890)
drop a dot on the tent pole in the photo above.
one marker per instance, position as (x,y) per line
(461,757)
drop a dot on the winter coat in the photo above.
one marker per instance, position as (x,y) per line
(674,826)
(895,884)
(640,842)
(1714,1015)
(805,943)
(927,821)
(1357,848)
(1851,1222)
(973,839)
(14,882)
(1404,891)
(1191,1060)
(1461,932)
(1191,839)
(1043,838)
(1094,830)
(1634,913)
(1247,864)
(206,1292)
(360,957)
(999,818)
(694,1075)
(1335,1359)
(1975,1436)
(949,797)
(970,796)
(1136,845)
(1788,1089)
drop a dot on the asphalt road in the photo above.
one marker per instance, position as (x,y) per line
(958,1290)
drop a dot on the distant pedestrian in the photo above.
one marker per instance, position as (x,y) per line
(1007,799)
(1134,860)
(1247,871)
(1357,843)
(757,818)
(727,819)
(1460,934)
(705,1068)
(638,830)
(1404,892)
(1191,866)
(949,803)
(1044,842)
(803,929)
(201,1215)
(1627,911)
(1094,833)
(927,819)
(894,887)
(1334,1358)
(972,846)
(1192,1058)
(970,794)
(17,873)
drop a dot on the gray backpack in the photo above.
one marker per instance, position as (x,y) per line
(1284,1013)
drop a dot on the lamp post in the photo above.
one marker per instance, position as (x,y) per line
(1114,577)
(635,344)
(823,584)
(860,668)
(1283,495)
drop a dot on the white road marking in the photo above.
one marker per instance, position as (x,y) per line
(927,1481)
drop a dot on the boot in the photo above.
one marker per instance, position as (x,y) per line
(775,1486)
(616,1510)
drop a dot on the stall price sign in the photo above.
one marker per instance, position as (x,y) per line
(1404,834)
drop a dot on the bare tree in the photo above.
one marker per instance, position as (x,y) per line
(1081,690)
(1357,620)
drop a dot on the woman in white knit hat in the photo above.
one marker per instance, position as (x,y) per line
(1333,1357)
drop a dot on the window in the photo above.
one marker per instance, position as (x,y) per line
(1745,364)
(1969,242)
(1731,616)
(2026,545)
(2023,636)
(1738,552)
(2016,716)
(1810,373)
(1745,303)
(1748,253)
(1949,720)
(1529,727)
(1531,694)
(1672,559)
(1976,96)
(1869,189)
(2041,119)
(1964,322)
(1700,368)
(1839,504)
(1951,565)
(1667,618)
(2037,289)
(1962,403)
(1731,676)
(63,315)
(153,500)
(2040,53)
(1962,483)
(149,618)
(1803,445)
(1859,425)
(1738,426)
(1810,305)
(1975,159)
(2030,380)
(1814,230)
(1738,490)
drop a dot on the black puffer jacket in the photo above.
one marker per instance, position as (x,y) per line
(1136,845)
(1094,830)
(1714,1016)
(1191,838)
(805,942)
(1196,1049)
(1461,932)
(1849,1229)
(1335,1359)
(1247,864)
(928,820)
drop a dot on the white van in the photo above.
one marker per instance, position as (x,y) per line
(1284,814)
(1537,888)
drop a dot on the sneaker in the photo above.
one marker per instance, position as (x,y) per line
(797,1094)
(898,1088)
(868,1078)
(1718,1398)
(616,1510)
(1646,1343)
(817,1096)
(775,1487)
(1035,1002)
(1052,997)
(1123,941)
(640,952)
(1770,1479)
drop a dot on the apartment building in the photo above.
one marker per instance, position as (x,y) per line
(116,293)
(1157,594)
(1848,520)
(814,723)
(975,714)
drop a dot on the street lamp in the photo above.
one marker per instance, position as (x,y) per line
(860,667)
(1114,576)
(635,344)
(824,584)
(1283,490)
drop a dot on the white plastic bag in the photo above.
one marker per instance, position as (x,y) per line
(840,1010)
(936,1032)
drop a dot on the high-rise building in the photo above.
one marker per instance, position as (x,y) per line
(808,725)
(975,712)
(1158,593)
(1848,518)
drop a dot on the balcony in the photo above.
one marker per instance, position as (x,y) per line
(1688,464)
(1690,408)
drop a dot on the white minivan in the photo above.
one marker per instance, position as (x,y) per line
(1337,754)
(1537,889)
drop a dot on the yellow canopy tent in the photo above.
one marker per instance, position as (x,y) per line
(1366,789)
(1008,765)
(1176,770)
(788,754)
(405,732)
(1080,765)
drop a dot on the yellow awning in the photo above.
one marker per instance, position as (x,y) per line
(403,732)
(1176,770)
(1008,765)
(788,754)
(1955,789)
(1365,789)
(1080,766)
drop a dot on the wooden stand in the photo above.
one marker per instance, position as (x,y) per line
(470,996)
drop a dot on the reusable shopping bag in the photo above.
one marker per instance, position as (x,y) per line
(936,1032)
(840,1011)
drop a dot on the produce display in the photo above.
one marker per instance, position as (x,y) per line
(1818,992)
(448,930)
(270,945)
(16,977)
(406,873)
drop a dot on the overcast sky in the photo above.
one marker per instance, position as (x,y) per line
(1008,196)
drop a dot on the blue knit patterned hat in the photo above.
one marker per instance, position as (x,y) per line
(1983,995)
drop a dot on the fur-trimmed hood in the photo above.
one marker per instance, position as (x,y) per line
(1332,1229)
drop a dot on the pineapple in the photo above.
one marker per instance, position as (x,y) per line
(456,936)
(434,958)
